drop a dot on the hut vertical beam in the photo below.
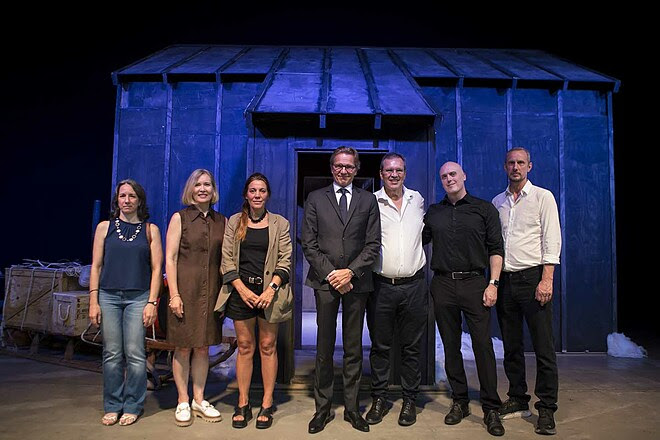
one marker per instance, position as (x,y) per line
(610,140)
(218,132)
(562,219)
(115,141)
(168,150)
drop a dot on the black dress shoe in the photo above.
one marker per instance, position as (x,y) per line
(318,422)
(378,410)
(546,422)
(356,420)
(493,423)
(408,414)
(457,412)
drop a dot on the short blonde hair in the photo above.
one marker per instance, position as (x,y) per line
(187,196)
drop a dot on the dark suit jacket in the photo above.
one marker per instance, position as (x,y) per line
(329,244)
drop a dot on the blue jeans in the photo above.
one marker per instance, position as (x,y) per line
(123,345)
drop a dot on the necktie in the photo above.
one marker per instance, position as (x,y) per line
(343,204)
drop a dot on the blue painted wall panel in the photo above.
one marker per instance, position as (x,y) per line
(443,101)
(535,127)
(141,154)
(588,251)
(270,158)
(484,140)
(145,95)
(188,152)
(234,144)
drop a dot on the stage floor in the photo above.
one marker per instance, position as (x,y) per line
(600,398)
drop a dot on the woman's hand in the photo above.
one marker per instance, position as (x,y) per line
(248,296)
(95,314)
(266,298)
(149,314)
(176,306)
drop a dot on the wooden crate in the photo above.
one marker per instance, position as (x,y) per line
(29,296)
(70,313)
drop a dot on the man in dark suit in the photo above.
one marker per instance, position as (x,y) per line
(341,240)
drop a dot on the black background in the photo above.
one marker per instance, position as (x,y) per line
(58,101)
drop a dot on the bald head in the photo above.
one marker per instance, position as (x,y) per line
(453,179)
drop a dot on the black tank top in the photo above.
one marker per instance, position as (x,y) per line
(126,264)
(253,252)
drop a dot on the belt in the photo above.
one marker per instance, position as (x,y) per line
(460,275)
(403,280)
(532,269)
(253,280)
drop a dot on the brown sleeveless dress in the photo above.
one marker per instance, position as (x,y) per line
(199,280)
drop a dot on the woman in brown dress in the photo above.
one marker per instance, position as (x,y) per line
(192,263)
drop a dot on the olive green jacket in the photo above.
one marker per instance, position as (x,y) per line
(278,257)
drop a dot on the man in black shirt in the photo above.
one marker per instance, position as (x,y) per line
(467,239)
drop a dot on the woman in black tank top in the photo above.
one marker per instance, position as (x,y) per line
(124,284)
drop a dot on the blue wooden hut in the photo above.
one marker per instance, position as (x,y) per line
(282,110)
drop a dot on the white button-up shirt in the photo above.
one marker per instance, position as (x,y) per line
(530,227)
(349,194)
(401,252)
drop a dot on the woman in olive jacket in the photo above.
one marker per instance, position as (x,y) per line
(256,266)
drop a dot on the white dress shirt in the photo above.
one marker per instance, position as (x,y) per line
(349,194)
(530,227)
(401,252)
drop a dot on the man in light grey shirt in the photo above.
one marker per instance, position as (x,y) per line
(399,302)
(532,244)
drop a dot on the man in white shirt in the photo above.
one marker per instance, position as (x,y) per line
(399,303)
(532,245)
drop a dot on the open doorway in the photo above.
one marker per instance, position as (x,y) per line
(313,172)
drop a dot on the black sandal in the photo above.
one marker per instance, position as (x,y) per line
(245,412)
(268,413)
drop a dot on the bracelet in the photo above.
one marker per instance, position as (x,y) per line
(93,290)
(153,303)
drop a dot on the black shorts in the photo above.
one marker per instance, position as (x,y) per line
(236,308)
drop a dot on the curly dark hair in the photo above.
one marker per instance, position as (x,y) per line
(143,209)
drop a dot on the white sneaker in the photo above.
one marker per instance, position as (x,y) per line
(206,411)
(182,416)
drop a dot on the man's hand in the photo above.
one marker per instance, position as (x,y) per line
(339,278)
(490,295)
(345,288)
(544,291)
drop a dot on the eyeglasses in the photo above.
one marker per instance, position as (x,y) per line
(391,171)
(338,167)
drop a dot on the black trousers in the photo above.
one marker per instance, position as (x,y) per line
(327,306)
(400,310)
(516,302)
(450,298)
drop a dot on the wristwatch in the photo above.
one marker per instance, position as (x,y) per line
(495,283)
(274,286)
(154,303)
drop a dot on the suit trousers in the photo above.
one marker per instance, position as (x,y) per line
(450,298)
(327,307)
(401,310)
(517,302)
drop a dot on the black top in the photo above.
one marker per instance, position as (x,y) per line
(464,235)
(253,252)
(126,264)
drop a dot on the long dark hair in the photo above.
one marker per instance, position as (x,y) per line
(142,211)
(241,231)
